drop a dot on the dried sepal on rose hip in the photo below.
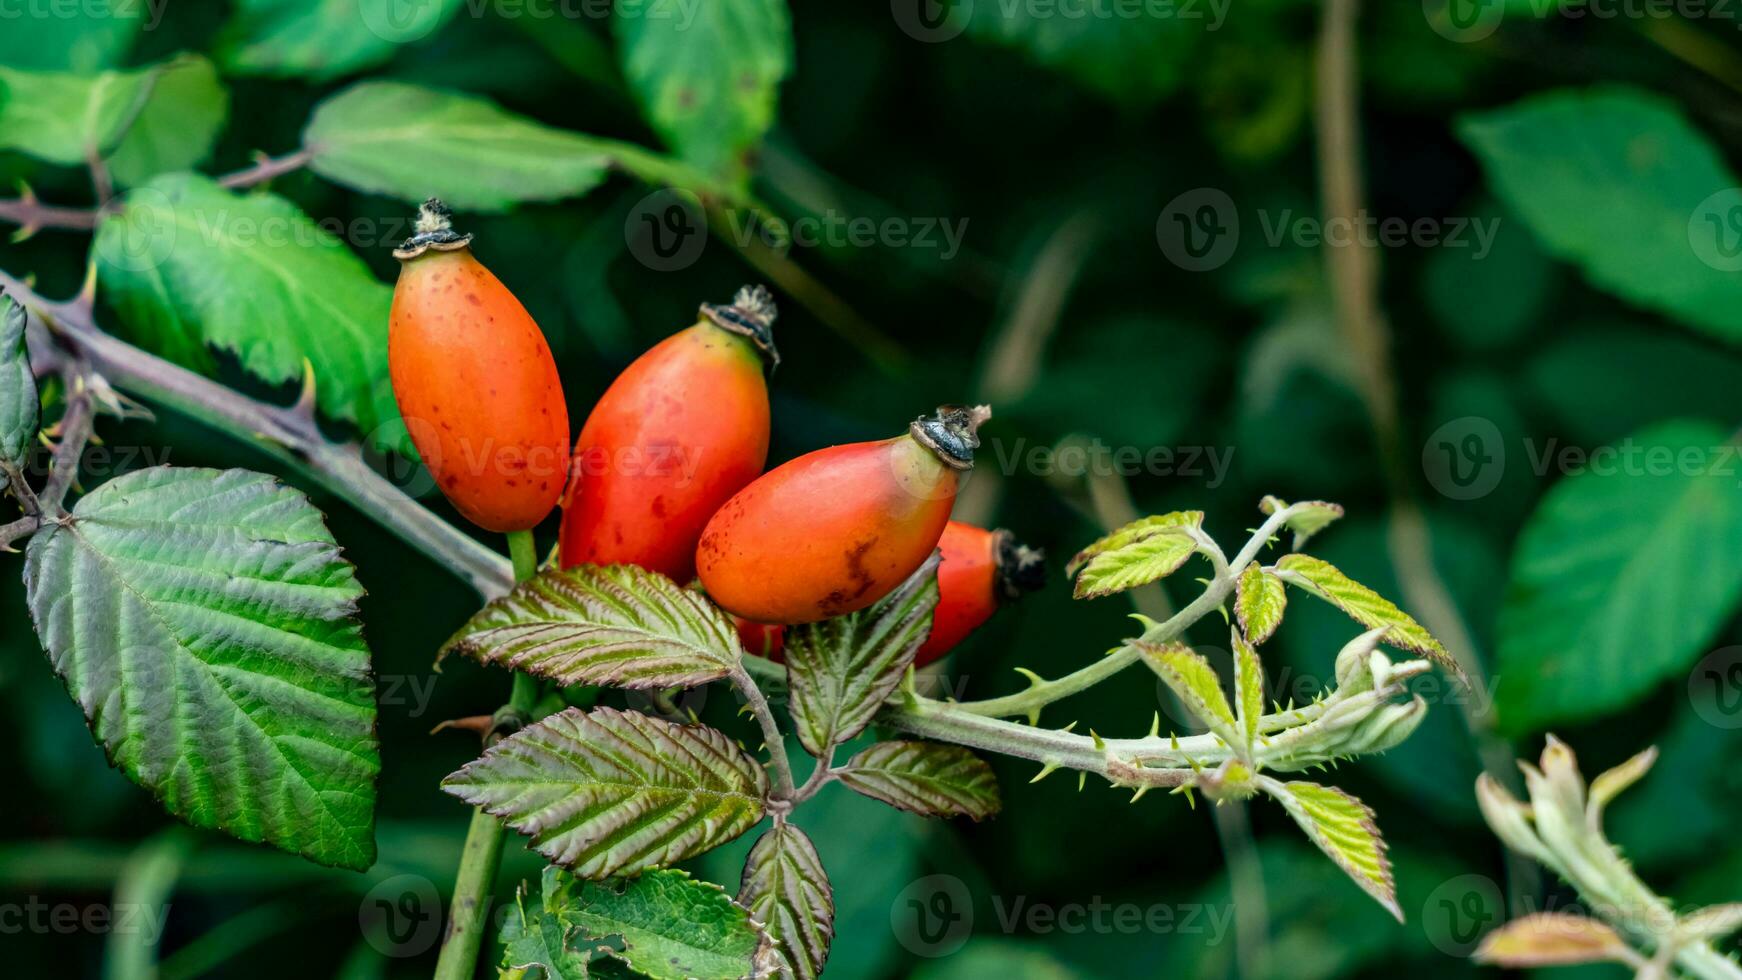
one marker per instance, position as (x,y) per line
(833,531)
(475,381)
(981,571)
(680,431)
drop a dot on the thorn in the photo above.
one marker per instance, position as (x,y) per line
(1223,609)
(1174,738)
(1045,770)
(1033,717)
(1148,624)
(1155,725)
(1139,794)
(304,407)
(87,297)
(1067,729)
(1100,743)
(475,723)
(1034,679)
(1082,777)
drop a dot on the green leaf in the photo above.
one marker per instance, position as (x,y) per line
(321,40)
(1194,681)
(608,792)
(1132,60)
(1311,517)
(1260,599)
(1343,827)
(18,399)
(189,264)
(786,889)
(1621,579)
(1141,562)
(708,75)
(672,926)
(928,778)
(412,143)
(64,118)
(205,622)
(536,943)
(178,125)
(1134,532)
(72,44)
(841,670)
(1248,689)
(1361,604)
(618,626)
(1663,185)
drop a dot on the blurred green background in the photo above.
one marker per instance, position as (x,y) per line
(1108,219)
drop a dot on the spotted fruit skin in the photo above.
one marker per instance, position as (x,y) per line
(967,589)
(828,533)
(479,391)
(678,433)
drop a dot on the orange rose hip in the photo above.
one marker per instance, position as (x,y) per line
(475,381)
(981,570)
(833,531)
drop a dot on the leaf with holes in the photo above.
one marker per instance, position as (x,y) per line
(1552,939)
(840,670)
(1260,599)
(205,622)
(616,792)
(1134,532)
(1194,681)
(927,778)
(1309,518)
(18,399)
(1343,827)
(618,626)
(536,943)
(786,889)
(672,927)
(1361,604)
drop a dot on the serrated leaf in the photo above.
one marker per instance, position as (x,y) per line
(206,624)
(324,39)
(1134,532)
(617,626)
(786,889)
(63,117)
(612,792)
(412,143)
(1620,581)
(1343,827)
(1362,604)
(1259,602)
(188,264)
(927,778)
(1551,939)
(1194,682)
(536,944)
(841,670)
(177,126)
(708,78)
(1309,518)
(1248,689)
(672,927)
(1144,561)
(18,398)
(1660,238)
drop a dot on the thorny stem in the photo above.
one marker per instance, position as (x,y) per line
(75,432)
(31,214)
(776,743)
(267,168)
(285,433)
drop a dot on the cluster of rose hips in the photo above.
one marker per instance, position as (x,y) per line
(826,534)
